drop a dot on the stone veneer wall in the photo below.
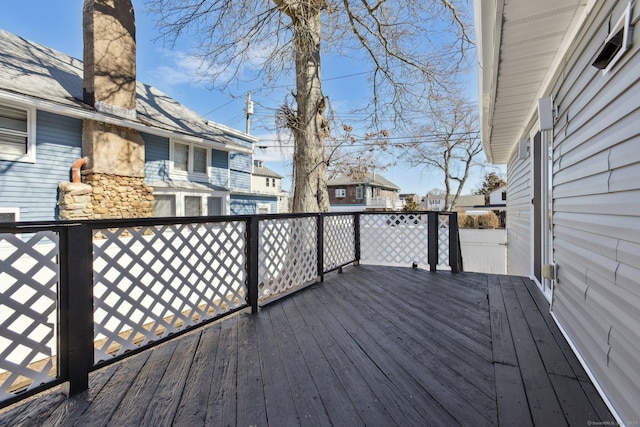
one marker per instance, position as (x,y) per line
(74,201)
(120,196)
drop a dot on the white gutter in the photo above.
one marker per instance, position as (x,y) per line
(81,113)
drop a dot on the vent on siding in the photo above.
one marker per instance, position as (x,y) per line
(617,42)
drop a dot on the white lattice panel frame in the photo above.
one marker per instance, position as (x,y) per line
(150,282)
(443,242)
(288,255)
(29,277)
(339,241)
(394,239)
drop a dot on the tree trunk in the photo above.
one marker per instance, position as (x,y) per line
(311,127)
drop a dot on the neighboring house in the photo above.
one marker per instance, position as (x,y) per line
(498,197)
(559,105)
(435,202)
(267,182)
(372,192)
(144,151)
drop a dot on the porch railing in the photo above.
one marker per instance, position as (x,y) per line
(77,296)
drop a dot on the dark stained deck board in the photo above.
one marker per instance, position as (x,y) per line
(438,320)
(163,405)
(144,388)
(504,351)
(331,390)
(250,404)
(69,411)
(279,404)
(384,344)
(306,397)
(563,345)
(221,407)
(439,325)
(378,400)
(372,346)
(543,404)
(192,410)
(464,381)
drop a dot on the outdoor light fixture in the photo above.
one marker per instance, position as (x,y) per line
(617,42)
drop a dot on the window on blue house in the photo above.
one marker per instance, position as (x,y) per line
(17,134)
(189,159)
(9,214)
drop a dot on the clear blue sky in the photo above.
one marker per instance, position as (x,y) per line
(58,25)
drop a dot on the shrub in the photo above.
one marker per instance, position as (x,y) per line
(487,220)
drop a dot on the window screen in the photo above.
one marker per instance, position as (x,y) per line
(13,131)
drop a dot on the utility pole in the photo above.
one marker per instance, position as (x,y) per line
(249,110)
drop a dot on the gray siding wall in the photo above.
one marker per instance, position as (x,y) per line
(246,205)
(596,218)
(33,187)
(519,220)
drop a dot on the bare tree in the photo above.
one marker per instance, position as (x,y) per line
(451,144)
(354,156)
(411,46)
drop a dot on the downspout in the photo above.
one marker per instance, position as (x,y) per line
(75,169)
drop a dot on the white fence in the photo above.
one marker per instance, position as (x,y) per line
(484,250)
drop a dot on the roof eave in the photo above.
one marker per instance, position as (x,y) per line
(90,114)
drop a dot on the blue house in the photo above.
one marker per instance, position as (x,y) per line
(188,165)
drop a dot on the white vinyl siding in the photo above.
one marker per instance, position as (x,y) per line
(597,210)
(519,220)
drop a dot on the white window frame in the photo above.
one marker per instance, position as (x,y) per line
(14,211)
(30,155)
(341,193)
(203,195)
(359,193)
(189,174)
(260,206)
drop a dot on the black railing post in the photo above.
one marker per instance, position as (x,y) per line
(455,255)
(76,308)
(320,246)
(356,231)
(432,221)
(253,231)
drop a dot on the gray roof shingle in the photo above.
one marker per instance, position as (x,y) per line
(374,180)
(28,68)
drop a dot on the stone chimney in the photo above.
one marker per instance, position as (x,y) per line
(109,31)
(115,167)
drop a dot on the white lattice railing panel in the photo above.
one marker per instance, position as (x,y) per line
(288,256)
(29,276)
(443,242)
(150,282)
(339,241)
(394,239)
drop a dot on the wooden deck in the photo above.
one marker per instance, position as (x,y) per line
(374,346)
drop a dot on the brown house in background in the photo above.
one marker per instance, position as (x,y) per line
(371,192)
